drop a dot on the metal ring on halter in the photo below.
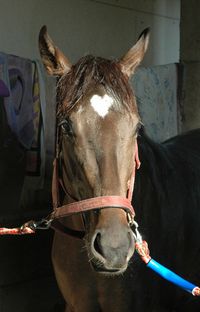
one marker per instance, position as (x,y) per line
(130,218)
(137,235)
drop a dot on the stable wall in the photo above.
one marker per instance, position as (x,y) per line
(190,57)
(107,28)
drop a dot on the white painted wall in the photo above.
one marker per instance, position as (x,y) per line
(105,27)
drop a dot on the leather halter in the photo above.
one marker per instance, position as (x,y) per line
(90,203)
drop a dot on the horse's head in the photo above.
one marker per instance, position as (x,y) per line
(99,122)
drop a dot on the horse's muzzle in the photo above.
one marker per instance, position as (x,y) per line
(112,250)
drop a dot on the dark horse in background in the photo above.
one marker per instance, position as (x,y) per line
(99,126)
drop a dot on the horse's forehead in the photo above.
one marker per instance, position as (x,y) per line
(100,103)
(101,114)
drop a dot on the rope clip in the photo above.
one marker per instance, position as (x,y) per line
(43,224)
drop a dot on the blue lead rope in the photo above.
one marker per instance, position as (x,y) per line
(172,277)
(143,251)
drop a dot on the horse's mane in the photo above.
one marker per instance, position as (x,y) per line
(88,71)
(171,173)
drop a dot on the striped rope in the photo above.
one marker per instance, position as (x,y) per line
(16,231)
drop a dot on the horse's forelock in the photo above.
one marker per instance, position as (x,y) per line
(92,70)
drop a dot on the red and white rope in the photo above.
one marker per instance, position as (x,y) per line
(16,231)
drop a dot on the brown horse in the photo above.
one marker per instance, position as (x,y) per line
(99,121)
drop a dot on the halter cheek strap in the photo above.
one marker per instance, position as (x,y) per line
(131,182)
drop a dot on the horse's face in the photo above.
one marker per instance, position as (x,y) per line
(98,145)
(99,120)
(98,152)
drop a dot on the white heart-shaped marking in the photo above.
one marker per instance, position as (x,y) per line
(101,104)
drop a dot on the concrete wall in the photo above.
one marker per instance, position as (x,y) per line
(105,27)
(190,57)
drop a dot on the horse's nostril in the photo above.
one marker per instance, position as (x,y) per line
(97,244)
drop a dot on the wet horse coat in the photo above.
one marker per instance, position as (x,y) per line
(99,123)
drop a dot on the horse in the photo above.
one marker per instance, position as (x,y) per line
(99,137)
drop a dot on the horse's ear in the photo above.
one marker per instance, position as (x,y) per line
(53,59)
(135,55)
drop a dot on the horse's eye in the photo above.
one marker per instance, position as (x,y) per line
(66,127)
(138,127)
